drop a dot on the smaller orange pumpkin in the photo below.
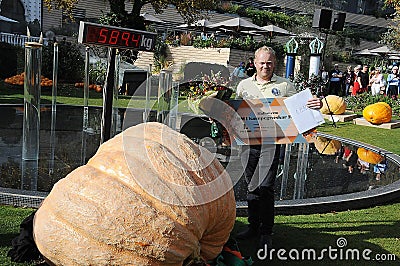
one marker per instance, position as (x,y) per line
(19,80)
(369,156)
(378,113)
(99,88)
(333,104)
(79,85)
(327,146)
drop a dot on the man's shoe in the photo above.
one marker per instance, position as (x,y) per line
(265,241)
(249,232)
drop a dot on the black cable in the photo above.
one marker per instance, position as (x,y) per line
(326,146)
(330,112)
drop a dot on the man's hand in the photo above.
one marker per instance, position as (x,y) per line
(314,103)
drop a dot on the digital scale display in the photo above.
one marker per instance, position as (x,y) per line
(110,36)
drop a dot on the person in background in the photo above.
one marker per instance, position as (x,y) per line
(363,79)
(335,86)
(370,75)
(348,81)
(363,166)
(261,161)
(325,80)
(393,83)
(356,85)
(324,75)
(350,157)
(380,169)
(250,67)
(376,82)
(239,72)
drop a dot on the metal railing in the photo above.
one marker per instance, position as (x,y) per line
(17,39)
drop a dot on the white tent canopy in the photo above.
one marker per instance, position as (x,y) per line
(202,23)
(366,52)
(150,18)
(384,50)
(276,30)
(236,24)
(6,19)
(394,57)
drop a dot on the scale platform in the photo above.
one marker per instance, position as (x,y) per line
(391,125)
(345,117)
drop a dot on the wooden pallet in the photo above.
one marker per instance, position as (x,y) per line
(391,125)
(345,117)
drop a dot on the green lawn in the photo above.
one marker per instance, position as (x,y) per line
(66,94)
(384,138)
(9,227)
(376,229)
(69,94)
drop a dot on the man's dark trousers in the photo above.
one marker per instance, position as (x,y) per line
(261,201)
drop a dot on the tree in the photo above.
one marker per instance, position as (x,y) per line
(118,16)
(392,37)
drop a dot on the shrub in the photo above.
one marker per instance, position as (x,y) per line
(160,55)
(359,102)
(97,72)
(71,62)
(316,85)
(198,42)
(246,44)
(9,55)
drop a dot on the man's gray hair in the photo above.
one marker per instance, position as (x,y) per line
(265,49)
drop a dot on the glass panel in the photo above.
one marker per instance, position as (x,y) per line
(322,175)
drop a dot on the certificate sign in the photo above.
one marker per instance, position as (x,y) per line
(303,117)
(264,121)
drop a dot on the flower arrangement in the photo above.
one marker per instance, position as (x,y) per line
(205,86)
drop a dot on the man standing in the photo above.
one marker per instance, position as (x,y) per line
(262,161)
(363,79)
(393,81)
(250,68)
(348,81)
(335,86)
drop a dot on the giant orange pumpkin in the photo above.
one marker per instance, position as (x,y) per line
(149,196)
(327,146)
(369,156)
(333,104)
(378,113)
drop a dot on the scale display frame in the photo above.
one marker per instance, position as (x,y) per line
(116,37)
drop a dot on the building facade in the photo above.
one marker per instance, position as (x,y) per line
(34,13)
(24,11)
(88,10)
